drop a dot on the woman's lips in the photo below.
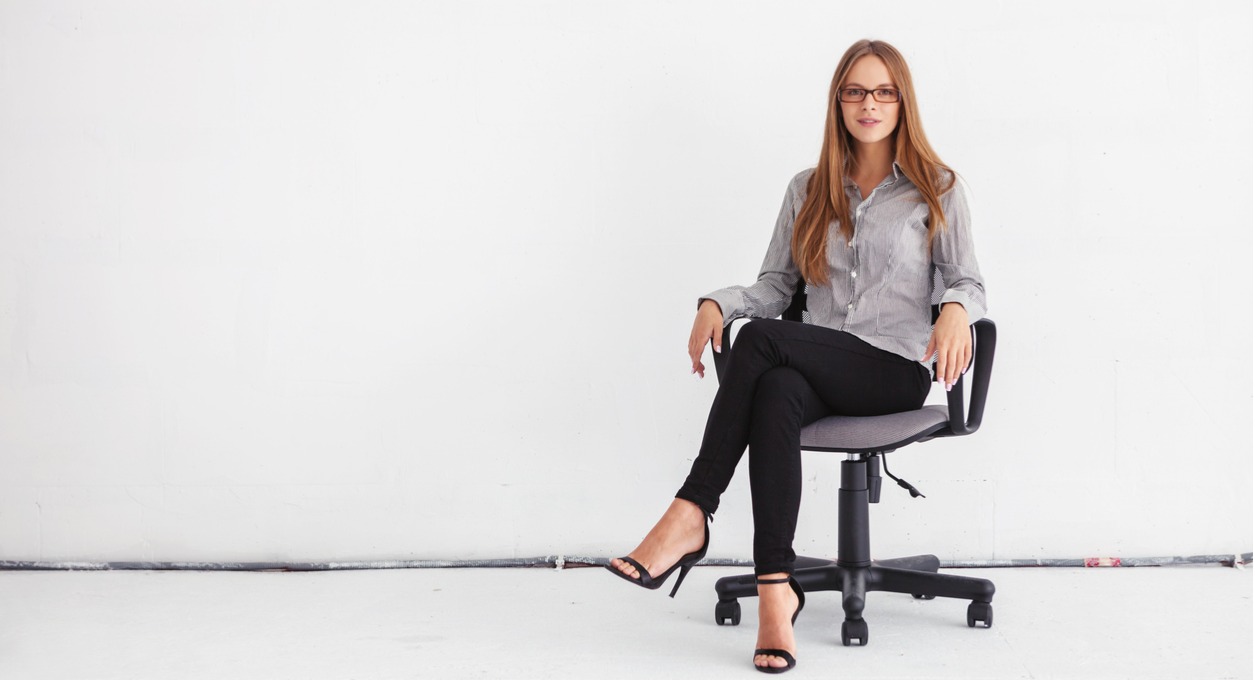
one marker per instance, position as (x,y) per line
(865,123)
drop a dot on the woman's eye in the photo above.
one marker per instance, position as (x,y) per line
(885,93)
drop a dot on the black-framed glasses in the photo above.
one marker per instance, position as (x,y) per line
(856,95)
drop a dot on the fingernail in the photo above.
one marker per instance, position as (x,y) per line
(947,387)
(718,349)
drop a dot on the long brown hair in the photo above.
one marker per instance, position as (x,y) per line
(826,199)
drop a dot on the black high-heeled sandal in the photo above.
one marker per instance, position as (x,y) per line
(783,654)
(655,582)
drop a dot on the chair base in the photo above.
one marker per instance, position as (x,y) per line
(916,575)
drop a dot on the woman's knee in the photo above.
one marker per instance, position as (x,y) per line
(782,380)
(755,333)
(781,388)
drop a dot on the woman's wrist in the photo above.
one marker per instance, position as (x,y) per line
(951,308)
(710,304)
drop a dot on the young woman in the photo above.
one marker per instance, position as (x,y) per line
(866,228)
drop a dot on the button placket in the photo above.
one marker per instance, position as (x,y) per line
(854,262)
(858,222)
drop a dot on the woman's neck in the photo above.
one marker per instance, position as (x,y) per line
(873,162)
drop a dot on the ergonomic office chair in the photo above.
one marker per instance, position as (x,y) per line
(865,440)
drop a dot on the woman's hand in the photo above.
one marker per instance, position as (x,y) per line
(707,326)
(952,341)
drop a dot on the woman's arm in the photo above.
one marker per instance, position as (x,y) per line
(770,295)
(767,298)
(707,327)
(963,301)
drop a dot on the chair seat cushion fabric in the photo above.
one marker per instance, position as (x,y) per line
(860,434)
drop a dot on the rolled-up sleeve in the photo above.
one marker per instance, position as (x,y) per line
(770,295)
(954,255)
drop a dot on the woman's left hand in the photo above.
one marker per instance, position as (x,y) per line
(952,342)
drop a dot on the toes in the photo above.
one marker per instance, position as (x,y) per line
(770,660)
(624,567)
(767,660)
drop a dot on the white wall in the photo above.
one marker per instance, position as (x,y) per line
(306,281)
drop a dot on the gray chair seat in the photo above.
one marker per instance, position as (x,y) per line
(859,434)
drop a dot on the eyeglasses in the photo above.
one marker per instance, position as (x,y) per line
(856,95)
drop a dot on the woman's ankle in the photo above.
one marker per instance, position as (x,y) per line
(692,501)
(687,508)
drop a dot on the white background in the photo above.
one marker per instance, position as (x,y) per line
(368,280)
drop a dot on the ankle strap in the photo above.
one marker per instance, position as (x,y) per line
(769,581)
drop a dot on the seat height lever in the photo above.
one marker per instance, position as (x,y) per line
(901,482)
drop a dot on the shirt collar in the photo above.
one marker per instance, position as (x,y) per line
(897,173)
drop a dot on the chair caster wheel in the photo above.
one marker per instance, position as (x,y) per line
(923,597)
(980,611)
(854,630)
(728,611)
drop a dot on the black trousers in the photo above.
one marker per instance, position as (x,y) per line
(781,376)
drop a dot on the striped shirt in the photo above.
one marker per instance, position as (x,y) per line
(880,286)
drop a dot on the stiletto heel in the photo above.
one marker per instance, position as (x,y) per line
(684,565)
(783,654)
(680,579)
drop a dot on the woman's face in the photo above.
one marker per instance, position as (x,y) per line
(869,73)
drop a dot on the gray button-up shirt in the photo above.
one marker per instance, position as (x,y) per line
(880,286)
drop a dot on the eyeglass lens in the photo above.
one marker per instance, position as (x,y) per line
(883,95)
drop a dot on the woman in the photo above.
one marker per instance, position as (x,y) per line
(865,228)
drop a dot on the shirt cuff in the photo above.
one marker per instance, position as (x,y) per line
(974,313)
(729,302)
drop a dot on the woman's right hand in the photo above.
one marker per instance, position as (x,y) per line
(706,327)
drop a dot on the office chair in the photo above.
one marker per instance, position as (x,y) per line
(865,440)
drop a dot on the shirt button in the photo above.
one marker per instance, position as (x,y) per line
(850,306)
(853,275)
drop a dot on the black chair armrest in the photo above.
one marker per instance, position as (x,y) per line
(986,338)
(721,357)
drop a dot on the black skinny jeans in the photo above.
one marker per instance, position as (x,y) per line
(781,376)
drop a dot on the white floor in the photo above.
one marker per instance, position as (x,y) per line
(1182,622)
